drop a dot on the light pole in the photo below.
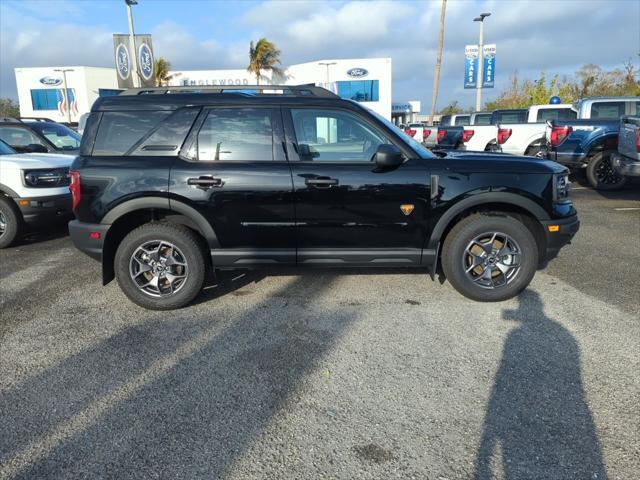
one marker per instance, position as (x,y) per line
(66,90)
(132,44)
(436,72)
(327,64)
(480,60)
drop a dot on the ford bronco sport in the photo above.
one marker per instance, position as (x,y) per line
(173,182)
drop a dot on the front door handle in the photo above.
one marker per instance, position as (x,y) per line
(205,182)
(322,182)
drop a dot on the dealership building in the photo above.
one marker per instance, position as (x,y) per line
(65,93)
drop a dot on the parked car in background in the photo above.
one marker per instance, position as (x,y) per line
(34,191)
(38,135)
(528,138)
(482,138)
(170,186)
(589,142)
(418,131)
(451,137)
(626,161)
(456,119)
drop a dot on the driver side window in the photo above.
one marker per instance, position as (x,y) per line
(333,135)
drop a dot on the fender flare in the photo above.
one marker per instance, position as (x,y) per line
(164,203)
(598,141)
(8,191)
(481,199)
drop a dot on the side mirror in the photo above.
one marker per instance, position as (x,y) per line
(36,148)
(388,156)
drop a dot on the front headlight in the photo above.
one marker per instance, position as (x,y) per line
(46,178)
(561,187)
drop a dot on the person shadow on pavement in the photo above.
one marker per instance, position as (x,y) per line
(538,420)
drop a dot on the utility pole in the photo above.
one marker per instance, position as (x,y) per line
(327,64)
(132,45)
(66,90)
(480,60)
(436,73)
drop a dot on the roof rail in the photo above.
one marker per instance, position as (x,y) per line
(38,119)
(308,90)
(9,120)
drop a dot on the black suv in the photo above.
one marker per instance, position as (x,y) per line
(173,182)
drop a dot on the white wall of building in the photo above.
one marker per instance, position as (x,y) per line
(339,70)
(83,81)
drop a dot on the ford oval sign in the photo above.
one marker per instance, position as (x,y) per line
(357,72)
(123,62)
(50,81)
(145,61)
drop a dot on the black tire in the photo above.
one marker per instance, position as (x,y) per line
(185,243)
(11,218)
(601,174)
(455,258)
(533,151)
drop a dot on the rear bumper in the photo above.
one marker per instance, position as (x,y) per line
(555,240)
(45,210)
(86,239)
(625,166)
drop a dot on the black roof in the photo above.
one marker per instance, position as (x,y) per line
(171,98)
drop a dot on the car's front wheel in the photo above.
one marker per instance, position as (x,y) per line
(160,266)
(10,222)
(489,257)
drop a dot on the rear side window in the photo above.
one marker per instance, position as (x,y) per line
(482,119)
(556,114)
(445,120)
(462,120)
(120,131)
(511,117)
(236,134)
(637,109)
(607,109)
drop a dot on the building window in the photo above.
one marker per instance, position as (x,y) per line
(359,90)
(108,92)
(48,98)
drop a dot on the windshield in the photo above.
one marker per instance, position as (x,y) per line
(62,137)
(414,144)
(6,149)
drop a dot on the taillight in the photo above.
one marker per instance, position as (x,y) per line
(441,134)
(425,134)
(559,135)
(466,136)
(503,135)
(409,131)
(74,187)
(638,141)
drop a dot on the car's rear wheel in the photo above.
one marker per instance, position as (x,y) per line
(489,257)
(160,266)
(601,174)
(10,222)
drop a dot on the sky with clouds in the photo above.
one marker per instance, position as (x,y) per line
(556,36)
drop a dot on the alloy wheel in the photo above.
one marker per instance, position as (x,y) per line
(3,224)
(492,260)
(606,174)
(158,268)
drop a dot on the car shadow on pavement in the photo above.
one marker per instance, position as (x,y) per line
(537,419)
(180,396)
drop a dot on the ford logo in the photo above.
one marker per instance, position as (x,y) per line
(50,81)
(123,63)
(145,61)
(357,72)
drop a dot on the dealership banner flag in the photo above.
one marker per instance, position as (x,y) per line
(124,60)
(489,65)
(470,66)
(145,60)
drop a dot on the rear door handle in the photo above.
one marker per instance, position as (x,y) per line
(321,182)
(205,182)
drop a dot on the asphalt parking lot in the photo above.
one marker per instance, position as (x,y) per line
(327,375)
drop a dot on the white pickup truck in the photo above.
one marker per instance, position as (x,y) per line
(527,138)
(481,137)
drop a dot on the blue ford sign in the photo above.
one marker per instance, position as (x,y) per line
(357,72)
(123,62)
(50,81)
(145,61)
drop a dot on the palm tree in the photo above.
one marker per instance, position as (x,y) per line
(162,69)
(264,55)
